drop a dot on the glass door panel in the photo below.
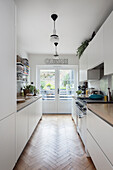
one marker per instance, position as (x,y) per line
(47,84)
(66,84)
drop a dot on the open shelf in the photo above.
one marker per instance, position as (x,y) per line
(19,72)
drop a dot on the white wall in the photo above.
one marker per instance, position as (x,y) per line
(22,53)
(39,59)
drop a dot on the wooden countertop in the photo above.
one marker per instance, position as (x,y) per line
(104,111)
(27,102)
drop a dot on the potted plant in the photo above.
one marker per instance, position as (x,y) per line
(84,45)
(78,92)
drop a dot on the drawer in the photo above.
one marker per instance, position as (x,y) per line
(102,133)
(98,157)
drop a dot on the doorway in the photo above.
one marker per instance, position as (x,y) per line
(57,85)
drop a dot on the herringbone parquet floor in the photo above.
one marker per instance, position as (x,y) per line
(55,145)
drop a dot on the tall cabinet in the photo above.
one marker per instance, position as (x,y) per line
(7,84)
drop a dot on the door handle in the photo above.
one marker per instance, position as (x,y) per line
(58,91)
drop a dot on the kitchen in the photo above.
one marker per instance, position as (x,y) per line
(40,93)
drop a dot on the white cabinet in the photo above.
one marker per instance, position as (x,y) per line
(83,67)
(7,143)
(84,73)
(21,130)
(74,110)
(99,141)
(108,45)
(97,155)
(32,118)
(81,128)
(99,51)
(26,121)
(95,50)
(35,114)
(38,110)
(7,59)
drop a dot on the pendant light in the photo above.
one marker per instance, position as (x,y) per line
(56,56)
(54,37)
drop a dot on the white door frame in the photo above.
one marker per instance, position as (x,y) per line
(52,106)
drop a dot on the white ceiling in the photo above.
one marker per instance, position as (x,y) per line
(77,19)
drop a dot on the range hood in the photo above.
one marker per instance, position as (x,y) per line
(96,73)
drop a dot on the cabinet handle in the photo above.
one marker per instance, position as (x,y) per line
(58,91)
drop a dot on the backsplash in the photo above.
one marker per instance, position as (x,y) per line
(103,84)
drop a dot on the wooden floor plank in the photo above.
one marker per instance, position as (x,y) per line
(55,145)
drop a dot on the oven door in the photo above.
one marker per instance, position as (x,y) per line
(81,126)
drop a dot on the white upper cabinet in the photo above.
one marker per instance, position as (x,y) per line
(84,73)
(108,45)
(99,51)
(95,50)
(83,66)
(7,58)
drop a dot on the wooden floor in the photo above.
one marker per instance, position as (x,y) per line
(55,145)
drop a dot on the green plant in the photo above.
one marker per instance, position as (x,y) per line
(48,85)
(30,88)
(36,91)
(52,87)
(42,84)
(84,45)
(63,88)
(78,92)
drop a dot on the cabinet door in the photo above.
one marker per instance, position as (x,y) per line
(74,110)
(108,45)
(97,155)
(39,109)
(32,118)
(7,59)
(83,66)
(35,113)
(102,132)
(7,143)
(95,50)
(21,130)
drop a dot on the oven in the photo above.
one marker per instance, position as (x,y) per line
(81,112)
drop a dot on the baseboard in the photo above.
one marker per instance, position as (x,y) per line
(56,113)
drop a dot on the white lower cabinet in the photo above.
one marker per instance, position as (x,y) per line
(7,143)
(26,121)
(34,115)
(31,119)
(21,130)
(74,110)
(100,142)
(97,155)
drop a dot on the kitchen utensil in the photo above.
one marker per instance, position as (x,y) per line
(96,96)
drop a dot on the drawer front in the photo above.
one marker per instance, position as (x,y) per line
(82,128)
(98,157)
(102,133)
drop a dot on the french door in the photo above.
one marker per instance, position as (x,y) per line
(57,85)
